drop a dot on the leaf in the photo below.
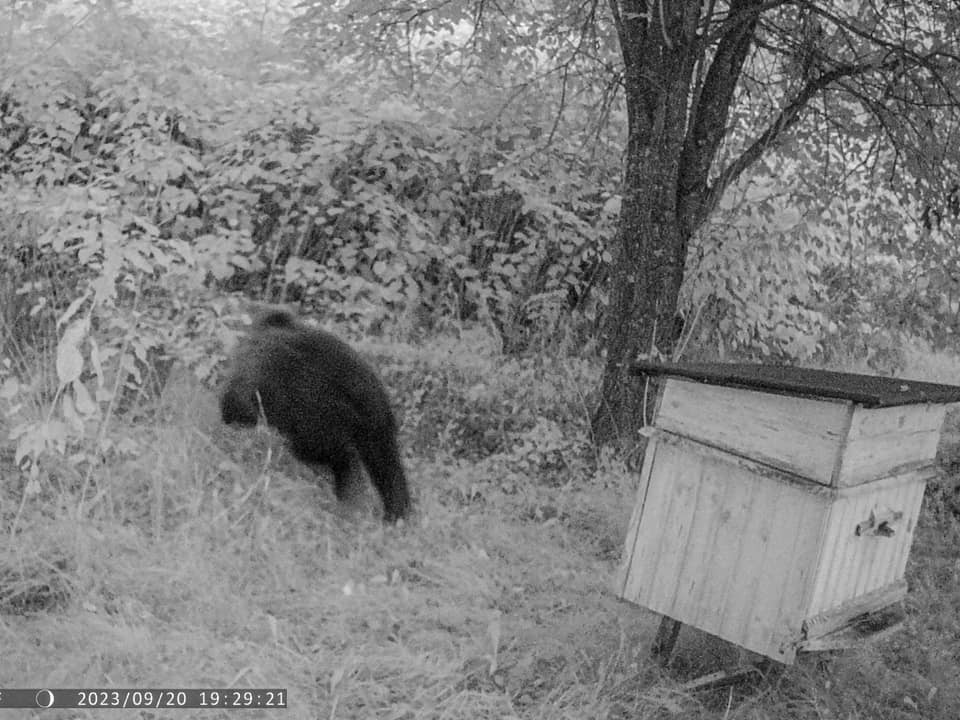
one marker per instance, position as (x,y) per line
(69,357)
(73,307)
(9,389)
(84,402)
(612,205)
(70,414)
(787,219)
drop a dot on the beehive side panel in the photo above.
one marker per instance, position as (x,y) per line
(729,518)
(878,567)
(883,441)
(692,577)
(693,589)
(811,529)
(769,618)
(747,604)
(745,550)
(912,504)
(652,541)
(865,571)
(853,552)
(800,435)
(623,580)
(875,422)
(844,555)
(683,474)
(829,543)
(660,544)
(859,564)
(798,520)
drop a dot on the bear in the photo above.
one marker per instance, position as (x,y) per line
(324,399)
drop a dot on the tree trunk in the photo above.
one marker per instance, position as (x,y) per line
(646,278)
(652,245)
(678,97)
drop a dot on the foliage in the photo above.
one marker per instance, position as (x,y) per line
(837,119)
(832,261)
(100,168)
(141,189)
(520,64)
(863,87)
(527,411)
(148,164)
(770,273)
(156,168)
(543,159)
(192,560)
(372,210)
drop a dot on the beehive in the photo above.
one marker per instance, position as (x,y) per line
(777,505)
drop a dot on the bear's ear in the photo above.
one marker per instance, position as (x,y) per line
(275,318)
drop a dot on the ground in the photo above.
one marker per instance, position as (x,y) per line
(206,559)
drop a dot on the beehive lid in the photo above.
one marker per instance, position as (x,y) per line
(867,390)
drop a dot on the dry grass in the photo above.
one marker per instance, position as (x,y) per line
(209,558)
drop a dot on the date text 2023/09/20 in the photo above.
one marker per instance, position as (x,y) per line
(159,698)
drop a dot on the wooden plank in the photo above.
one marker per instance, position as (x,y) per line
(925,474)
(797,434)
(747,543)
(852,565)
(622,580)
(840,617)
(729,493)
(880,568)
(691,584)
(682,473)
(828,544)
(857,634)
(886,441)
(762,590)
(892,421)
(911,509)
(870,572)
(809,512)
(722,678)
(735,548)
(870,390)
(736,544)
(647,542)
(843,520)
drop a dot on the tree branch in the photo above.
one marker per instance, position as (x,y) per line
(786,119)
(709,119)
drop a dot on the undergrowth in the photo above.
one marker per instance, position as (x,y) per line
(208,557)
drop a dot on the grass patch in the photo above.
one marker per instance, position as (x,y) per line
(208,557)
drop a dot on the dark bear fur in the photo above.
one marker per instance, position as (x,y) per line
(324,399)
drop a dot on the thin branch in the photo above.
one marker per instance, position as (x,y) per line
(708,124)
(786,119)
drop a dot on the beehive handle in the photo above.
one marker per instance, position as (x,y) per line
(879,524)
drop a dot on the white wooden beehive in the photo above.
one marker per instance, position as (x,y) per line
(776,506)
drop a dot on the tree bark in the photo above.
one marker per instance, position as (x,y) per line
(646,278)
(676,121)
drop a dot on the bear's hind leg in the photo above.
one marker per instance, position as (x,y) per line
(382,458)
(347,474)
